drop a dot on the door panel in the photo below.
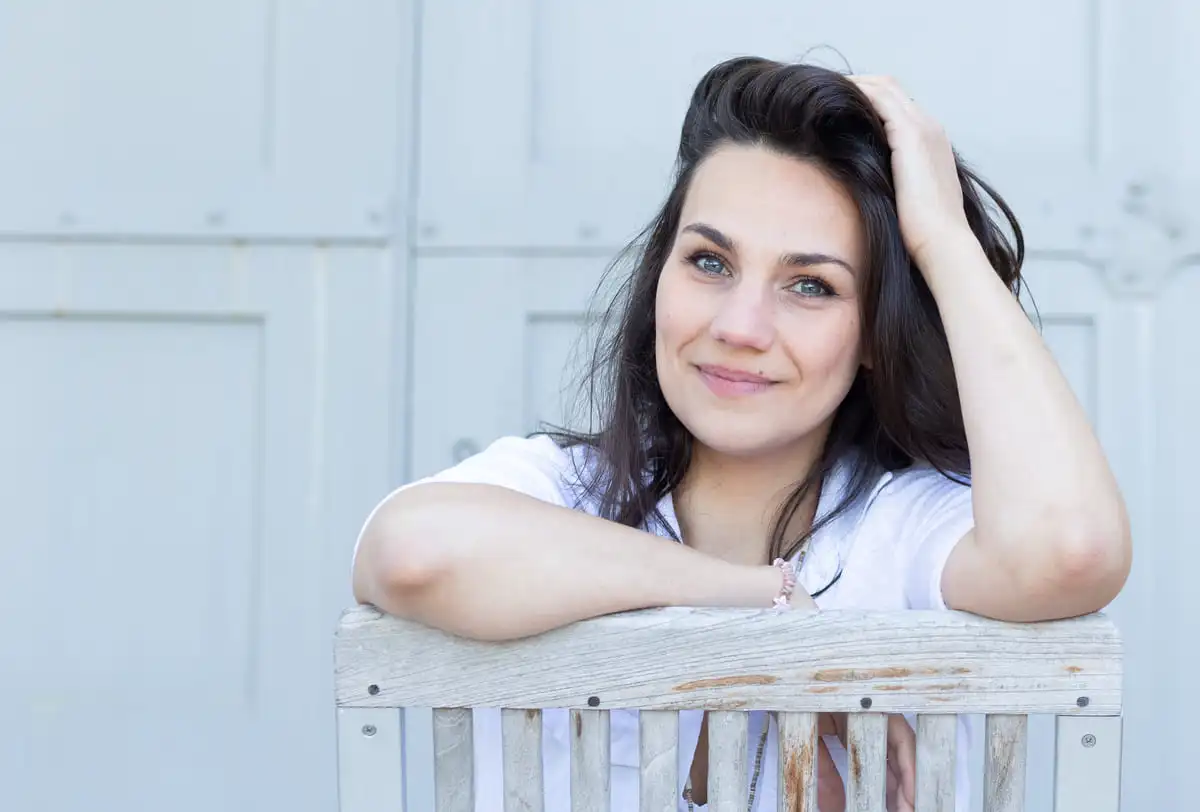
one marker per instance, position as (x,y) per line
(584,100)
(497,343)
(179,479)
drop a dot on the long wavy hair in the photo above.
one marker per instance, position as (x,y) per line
(905,409)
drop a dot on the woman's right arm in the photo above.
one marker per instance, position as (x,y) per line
(491,563)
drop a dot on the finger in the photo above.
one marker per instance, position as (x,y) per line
(894,114)
(885,84)
(892,102)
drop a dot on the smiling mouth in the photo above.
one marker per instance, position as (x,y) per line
(725,382)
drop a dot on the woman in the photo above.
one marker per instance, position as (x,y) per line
(821,322)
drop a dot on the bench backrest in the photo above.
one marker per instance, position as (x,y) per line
(729,662)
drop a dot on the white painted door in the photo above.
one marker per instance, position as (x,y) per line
(189,443)
(201,265)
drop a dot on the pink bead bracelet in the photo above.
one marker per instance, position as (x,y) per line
(789,583)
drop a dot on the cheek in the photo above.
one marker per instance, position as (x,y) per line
(676,318)
(828,348)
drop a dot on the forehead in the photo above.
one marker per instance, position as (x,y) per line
(773,202)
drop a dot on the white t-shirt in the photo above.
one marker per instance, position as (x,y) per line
(891,547)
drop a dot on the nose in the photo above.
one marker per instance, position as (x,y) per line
(745,318)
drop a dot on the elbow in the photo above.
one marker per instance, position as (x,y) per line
(396,561)
(1091,563)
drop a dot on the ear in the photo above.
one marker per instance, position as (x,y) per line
(866,361)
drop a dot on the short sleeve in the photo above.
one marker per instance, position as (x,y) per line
(535,466)
(933,514)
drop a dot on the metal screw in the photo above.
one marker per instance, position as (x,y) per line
(593,701)
(1089,740)
(368,730)
(1082,701)
(373,690)
(865,702)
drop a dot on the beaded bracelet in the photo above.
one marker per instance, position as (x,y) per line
(789,583)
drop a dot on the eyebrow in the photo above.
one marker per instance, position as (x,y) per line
(802,259)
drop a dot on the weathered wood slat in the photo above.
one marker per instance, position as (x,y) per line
(936,662)
(591,762)
(727,751)
(453,760)
(937,747)
(369,753)
(866,749)
(659,758)
(798,762)
(521,734)
(1087,765)
(1004,763)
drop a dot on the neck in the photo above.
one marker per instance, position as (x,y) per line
(727,505)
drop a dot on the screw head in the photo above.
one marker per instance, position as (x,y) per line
(1089,740)
(1082,701)
(373,690)
(865,702)
(368,730)
(593,701)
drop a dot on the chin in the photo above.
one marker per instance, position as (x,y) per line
(739,438)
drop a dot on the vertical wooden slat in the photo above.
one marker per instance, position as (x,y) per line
(659,759)
(370,762)
(937,746)
(727,778)
(1004,763)
(1087,764)
(521,735)
(798,762)
(866,749)
(590,761)
(453,757)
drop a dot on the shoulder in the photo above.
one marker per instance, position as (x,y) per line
(921,490)
(537,466)
(922,514)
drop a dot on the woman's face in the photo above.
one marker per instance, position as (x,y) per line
(757,307)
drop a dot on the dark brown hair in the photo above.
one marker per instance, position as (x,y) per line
(905,409)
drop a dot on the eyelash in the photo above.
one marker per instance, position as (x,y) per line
(826,290)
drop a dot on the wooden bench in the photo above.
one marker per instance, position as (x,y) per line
(798,664)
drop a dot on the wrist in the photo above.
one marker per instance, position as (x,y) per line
(950,248)
(741,586)
(775,585)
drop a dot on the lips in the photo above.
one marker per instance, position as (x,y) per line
(727,382)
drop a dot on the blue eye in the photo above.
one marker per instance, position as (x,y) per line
(811,287)
(709,264)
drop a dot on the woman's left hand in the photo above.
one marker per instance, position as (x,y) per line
(929,197)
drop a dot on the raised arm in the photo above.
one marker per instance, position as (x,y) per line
(491,563)
(1051,536)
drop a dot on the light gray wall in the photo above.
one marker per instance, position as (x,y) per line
(261,261)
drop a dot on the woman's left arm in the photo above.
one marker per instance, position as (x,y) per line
(1051,536)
